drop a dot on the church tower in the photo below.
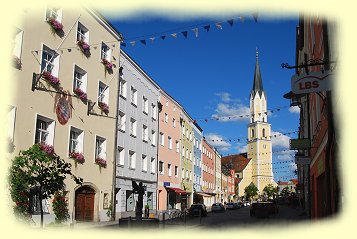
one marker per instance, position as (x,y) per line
(259,132)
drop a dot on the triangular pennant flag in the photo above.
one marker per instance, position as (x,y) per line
(195,31)
(174,35)
(123,44)
(241,18)
(230,22)
(184,33)
(143,42)
(152,39)
(255,16)
(163,37)
(218,25)
(133,43)
(207,27)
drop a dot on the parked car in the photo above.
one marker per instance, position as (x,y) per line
(230,205)
(196,209)
(237,205)
(272,208)
(259,209)
(218,207)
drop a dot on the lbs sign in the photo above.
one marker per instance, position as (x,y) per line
(313,82)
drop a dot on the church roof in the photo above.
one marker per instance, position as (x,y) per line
(238,161)
(258,83)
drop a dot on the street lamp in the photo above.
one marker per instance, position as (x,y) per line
(294,99)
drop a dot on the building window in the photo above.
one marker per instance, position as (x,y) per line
(133,95)
(169,170)
(263,132)
(182,173)
(183,151)
(176,171)
(144,159)
(174,123)
(105,52)
(153,166)
(174,108)
(121,155)
(106,200)
(132,127)
(34,202)
(145,105)
(44,130)
(183,129)
(161,167)
(132,159)
(166,118)
(82,33)
(153,111)
(122,121)
(100,148)
(177,146)
(167,103)
(252,133)
(54,13)
(17,45)
(162,139)
(169,139)
(187,153)
(103,93)
(145,133)
(153,138)
(79,79)
(191,155)
(187,176)
(11,123)
(50,61)
(75,140)
(122,88)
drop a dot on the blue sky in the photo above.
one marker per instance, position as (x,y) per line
(212,75)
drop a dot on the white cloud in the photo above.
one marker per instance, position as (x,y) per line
(294,109)
(225,97)
(230,109)
(231,112)
(281,146)
(242,148)
(218,142)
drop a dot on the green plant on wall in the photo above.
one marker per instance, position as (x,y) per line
(37,169)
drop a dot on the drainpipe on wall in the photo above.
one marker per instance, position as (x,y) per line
(114,191)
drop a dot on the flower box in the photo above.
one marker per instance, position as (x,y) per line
(78,157)
(85,48)
(47,148)
(81,94)
(104,107)
(56,25)
(101,162)
(54,81)
(108,65)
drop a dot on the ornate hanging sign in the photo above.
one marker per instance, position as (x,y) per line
(63,108)
(312,82)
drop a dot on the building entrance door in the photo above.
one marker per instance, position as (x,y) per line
(84,204)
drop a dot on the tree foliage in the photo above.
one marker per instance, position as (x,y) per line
(250,191)
(37,168)
(270,190)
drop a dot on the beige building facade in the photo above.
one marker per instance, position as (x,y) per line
(66,115)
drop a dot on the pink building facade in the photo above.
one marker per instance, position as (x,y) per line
(169,162)
(208,172)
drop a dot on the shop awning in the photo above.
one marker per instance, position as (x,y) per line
(177,190)
(203,194)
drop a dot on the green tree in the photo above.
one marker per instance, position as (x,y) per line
(270,190)
(39,170)
(285,191)
(250,191)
